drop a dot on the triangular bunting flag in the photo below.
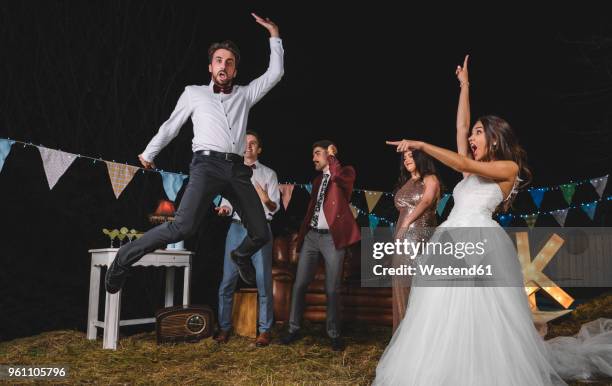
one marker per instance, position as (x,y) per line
(55,163)
(354,210)
(537,195)
(442,203)
(5,149)
(568,192)
(560,215)
(589,209)
(217,200)
(309,188)
(172,183)
(373,222)
(286,192)
(505,219)
(372,199)
(531,220)
(120,176)
(598,183)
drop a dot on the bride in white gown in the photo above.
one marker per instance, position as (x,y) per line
(453,335)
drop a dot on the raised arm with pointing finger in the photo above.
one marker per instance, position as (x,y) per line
(463,109)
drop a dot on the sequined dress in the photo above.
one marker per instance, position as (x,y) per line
(406,200)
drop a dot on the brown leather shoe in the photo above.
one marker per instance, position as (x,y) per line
(263,339)
(222,336)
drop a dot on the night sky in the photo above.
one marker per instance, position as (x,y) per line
(99,78)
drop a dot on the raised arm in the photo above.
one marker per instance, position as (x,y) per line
(267,24)
(260,86)
(168,130)
(463,109)
(500,171)
(344,176)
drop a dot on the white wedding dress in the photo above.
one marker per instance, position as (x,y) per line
(485,335)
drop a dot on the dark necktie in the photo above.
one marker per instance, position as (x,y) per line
(315,217)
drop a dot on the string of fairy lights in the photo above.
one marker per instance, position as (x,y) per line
(537,194)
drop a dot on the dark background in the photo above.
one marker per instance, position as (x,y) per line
(98,79)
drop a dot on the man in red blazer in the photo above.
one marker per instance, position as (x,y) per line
(328,228)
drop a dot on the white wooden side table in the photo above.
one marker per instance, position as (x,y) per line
(112,308)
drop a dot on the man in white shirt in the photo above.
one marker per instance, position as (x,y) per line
(265,182)
(219,112)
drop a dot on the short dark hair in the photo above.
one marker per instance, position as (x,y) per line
(256,135)
(226,45)
(324,143)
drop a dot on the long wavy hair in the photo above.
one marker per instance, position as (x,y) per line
(424,166)
(502,144)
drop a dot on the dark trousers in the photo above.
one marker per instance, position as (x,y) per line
(315,244)
(208,177)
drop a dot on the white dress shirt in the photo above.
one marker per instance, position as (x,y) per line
(219,120)
(322,221)
(267,179)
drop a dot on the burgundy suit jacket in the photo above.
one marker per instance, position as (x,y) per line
(342,224)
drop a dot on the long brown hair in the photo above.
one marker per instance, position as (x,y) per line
(502,144)
(424,165)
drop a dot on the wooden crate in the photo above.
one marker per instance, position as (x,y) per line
(245,312)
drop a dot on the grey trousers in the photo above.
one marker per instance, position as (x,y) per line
(315,243)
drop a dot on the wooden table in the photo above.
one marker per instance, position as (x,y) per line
(112,308)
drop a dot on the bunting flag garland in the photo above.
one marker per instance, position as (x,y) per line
(442,203)
(560,215)
(590,209)
(5,149)
(372,199)
(505,219)
(309,188)
(55,163)
(286,192)
(537,195)
(374,220)
(568,192)
(172,183)
(217,200)
(120,176)
(531,219)
(598,183)
(354,210)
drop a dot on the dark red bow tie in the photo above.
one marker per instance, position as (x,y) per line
(224,90)
(253,166)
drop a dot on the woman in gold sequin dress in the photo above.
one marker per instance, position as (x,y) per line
(416,197)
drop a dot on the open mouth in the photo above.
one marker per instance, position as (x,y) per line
(473,147)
